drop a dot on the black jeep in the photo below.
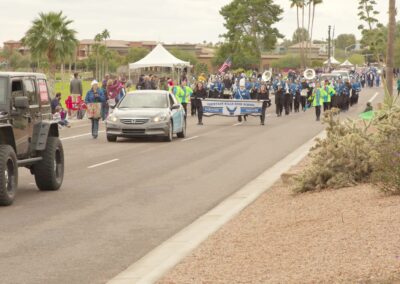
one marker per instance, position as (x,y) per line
(28,136)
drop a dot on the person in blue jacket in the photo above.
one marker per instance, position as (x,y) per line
(95,95)
(242,94)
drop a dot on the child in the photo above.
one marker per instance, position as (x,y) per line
(61,117)
(369,107)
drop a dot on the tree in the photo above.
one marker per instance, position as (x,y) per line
(357,59)
(300,35)
(314,3)
(370,28)
(135,54)
(345,40)
(288,61)
(390,46)
(51,36)
(249,24)
(240,54)
(299,4)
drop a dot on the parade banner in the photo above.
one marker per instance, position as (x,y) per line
(231,107)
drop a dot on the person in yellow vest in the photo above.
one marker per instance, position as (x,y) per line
(179,95)
(185,95)
(330,92)
(317,99)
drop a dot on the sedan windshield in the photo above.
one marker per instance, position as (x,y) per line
(145,100)
(3,90)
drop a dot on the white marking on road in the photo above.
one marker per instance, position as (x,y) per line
(78,136)
(373,98)
(102,164)
(191,138)
(237,124)
(151,267)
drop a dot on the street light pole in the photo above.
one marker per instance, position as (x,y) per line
(345,49)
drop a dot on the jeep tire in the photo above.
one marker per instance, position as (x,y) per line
(8,175)
(111,138)
(49,172)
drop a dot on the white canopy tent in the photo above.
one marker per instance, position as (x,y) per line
(332,60)
(159,57)
(347,64)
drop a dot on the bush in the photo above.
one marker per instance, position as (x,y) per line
(340,160)
(386,163)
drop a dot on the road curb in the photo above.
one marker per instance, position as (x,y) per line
(157,262)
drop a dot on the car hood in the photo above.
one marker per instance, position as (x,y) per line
(139,112)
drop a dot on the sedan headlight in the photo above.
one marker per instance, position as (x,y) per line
(113,118)
(159,118)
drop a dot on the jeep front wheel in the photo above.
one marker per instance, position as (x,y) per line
(8,175)
(49,172)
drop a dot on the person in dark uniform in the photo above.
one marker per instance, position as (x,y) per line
(287,99)
(199,94)
(279,97)
(303,94)
(263,95)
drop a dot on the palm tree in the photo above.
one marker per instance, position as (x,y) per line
(50,36)
(105,35)
(97,40)
(390,46)
(314,3)
(299,4)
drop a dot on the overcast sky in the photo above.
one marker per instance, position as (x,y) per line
(171,21)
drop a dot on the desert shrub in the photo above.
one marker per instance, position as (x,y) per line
(386,161)
(342,159)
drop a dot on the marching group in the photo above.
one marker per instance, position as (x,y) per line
(293,93)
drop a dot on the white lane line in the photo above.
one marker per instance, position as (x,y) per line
(102,164)
(151,267)
(191,138)
(237,124)
(373,98)
(78,136)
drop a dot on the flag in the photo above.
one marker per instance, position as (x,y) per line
(227,64)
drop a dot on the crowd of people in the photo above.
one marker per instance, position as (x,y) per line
(293,93)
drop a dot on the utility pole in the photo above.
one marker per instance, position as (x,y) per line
(329,47)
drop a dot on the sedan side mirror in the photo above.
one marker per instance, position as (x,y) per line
(21,102)
(176,106)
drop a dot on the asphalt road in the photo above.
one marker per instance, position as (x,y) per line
(119,201)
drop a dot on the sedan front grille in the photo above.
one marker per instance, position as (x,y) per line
(133,131)
(134,120)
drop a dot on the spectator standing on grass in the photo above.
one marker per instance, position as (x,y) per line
(95,95)
(75,89)
(55,103)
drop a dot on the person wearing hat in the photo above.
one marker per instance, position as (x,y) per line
(95,95)
(242,94)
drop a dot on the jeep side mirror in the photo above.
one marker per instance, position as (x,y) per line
(21,102)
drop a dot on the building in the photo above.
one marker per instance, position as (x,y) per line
(15,45)
(315,50)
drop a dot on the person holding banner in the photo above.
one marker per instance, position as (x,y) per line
(94,99)
(263,95)
(242,94)
(199,94)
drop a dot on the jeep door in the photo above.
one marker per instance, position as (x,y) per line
(20,118)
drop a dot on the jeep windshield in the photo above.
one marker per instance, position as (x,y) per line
(144,100)
(3,90)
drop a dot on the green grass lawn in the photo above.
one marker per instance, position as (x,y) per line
(63,88)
